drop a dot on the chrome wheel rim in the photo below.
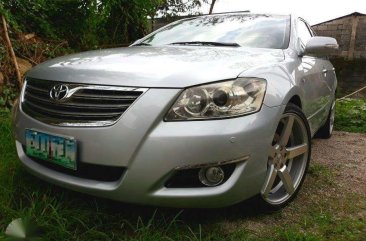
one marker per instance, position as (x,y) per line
(287,160)
(331,118)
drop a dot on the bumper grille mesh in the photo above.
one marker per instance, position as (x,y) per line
(89,105)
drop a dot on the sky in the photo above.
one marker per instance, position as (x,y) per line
(313,11)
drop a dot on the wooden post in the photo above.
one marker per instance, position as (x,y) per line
(11,52)
(351,50)
(212,6)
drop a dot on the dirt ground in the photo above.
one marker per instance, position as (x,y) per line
(335,185)
(346,153)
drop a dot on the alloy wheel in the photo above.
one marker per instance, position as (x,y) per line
(287,160)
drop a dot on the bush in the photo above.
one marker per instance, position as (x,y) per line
(7,97)
(85,24)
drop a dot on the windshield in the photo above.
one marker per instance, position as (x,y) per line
(259,31)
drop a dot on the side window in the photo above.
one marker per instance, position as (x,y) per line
(303,32)
(313,33)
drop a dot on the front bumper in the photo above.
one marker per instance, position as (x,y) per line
(151,149)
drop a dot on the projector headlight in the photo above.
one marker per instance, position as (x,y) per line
(238,97)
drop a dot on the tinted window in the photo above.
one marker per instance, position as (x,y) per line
(303,32)
(261,31)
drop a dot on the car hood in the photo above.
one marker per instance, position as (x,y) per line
(166,66)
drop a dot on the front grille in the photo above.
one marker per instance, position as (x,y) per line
(87,105)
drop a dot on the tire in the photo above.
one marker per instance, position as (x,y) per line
(288,160)
(325,132)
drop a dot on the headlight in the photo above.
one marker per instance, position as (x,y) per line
(219,100)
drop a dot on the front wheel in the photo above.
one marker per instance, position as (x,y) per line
(288,159)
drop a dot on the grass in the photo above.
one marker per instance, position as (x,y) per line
(61,214)
(351,115)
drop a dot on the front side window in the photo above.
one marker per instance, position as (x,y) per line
(303,32)
(248,30)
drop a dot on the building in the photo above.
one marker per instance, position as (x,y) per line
(350,32)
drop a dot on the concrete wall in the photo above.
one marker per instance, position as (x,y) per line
(350,32)
(351,76)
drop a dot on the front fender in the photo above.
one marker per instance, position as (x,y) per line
(281,86)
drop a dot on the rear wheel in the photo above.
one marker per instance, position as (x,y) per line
(288,159)
(326,130)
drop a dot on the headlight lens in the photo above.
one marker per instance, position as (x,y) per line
(220,100)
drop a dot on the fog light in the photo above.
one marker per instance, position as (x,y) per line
(211,176)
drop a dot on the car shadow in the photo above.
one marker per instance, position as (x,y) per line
(132,212)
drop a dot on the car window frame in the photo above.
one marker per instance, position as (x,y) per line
(286,42)
(303,45)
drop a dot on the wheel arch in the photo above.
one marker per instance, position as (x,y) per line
(296,100)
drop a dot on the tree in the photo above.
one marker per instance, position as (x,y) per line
(9,46)
(85,24)
(171,8)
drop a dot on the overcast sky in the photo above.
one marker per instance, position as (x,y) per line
(314,11)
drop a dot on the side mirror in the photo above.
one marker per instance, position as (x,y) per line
(321,46)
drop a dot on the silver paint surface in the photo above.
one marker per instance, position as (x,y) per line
(152,149)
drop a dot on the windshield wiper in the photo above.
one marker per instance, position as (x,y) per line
(204,43)
(142,44)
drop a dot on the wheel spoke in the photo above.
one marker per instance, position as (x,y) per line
(284,174)
(271,177)
(287,130)
(286,180)
(296,150)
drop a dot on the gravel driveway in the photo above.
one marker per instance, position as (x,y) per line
(346,153)
(335,185)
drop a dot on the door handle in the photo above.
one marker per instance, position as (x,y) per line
(325,71)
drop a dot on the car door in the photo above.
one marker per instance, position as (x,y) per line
(328,87)
(312,80)
(330,81)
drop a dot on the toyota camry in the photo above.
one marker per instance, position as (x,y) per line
(207,111)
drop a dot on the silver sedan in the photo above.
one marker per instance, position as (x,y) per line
(205,112)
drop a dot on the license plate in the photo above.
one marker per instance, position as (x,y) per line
(52,148)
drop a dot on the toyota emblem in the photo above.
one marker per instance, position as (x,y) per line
(59,92)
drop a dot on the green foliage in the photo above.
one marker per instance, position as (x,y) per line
(7,97)
(322,226)
(3,53)
(29,16)
(171,8)
(89,24)
(322,171)
(48,19)
(351,115)
(126,21)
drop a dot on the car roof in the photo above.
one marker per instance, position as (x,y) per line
(239,13)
